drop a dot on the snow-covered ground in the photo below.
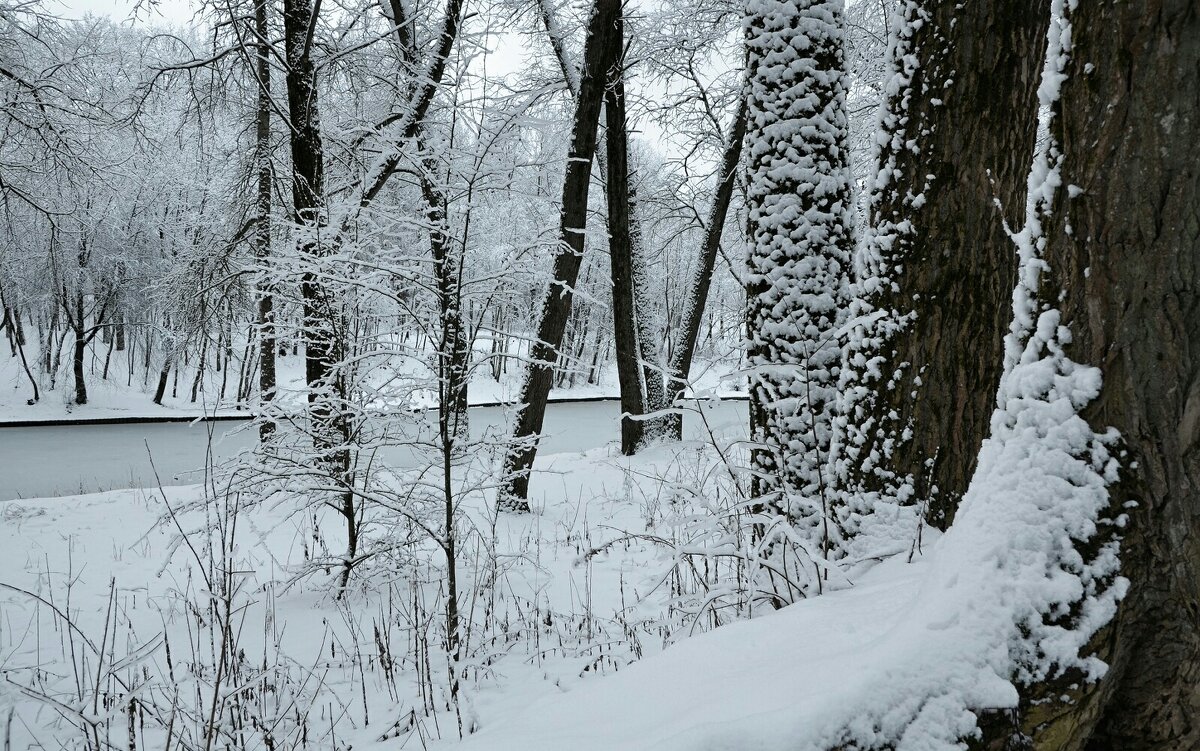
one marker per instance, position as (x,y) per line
(552,602)
(603,620)
(584,624)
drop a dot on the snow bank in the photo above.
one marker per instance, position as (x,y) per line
(908,653)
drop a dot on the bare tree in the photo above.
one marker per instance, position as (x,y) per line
(600,52)
(626,334)
(706,261)
(262,236)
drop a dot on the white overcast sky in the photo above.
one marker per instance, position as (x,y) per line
(169,11)
(507,51)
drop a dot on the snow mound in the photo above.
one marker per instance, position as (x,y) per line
(910,652)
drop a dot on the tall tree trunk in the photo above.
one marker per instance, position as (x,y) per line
(639,347)
(799,202)
(262,233)
(620,251)
(681,360)
(1123,243)
(600,52)
(960,127)
(80,351)
(319,326)
(453,350)
(308,201)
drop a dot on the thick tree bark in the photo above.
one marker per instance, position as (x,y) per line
(1124,245)
(960,137)
(600,52)
(693,314)
(620,250)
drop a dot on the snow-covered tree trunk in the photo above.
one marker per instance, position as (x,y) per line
(800,206)
(923,361)
(1123,245)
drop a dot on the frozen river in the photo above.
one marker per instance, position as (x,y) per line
(56,460)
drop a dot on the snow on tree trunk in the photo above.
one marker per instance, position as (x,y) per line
(308,200)
(262,233)
(1123,244)
(626,332)
(800,205)
(641,344)
(923,360)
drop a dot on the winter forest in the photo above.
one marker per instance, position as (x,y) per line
(600,374)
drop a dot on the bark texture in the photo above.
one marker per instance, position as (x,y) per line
(967,123)
(1124,244)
